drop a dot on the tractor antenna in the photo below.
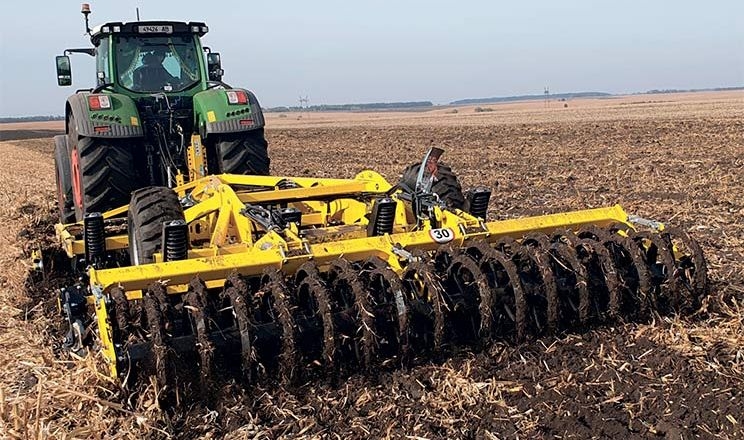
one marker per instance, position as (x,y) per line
(85,9)
(138,19)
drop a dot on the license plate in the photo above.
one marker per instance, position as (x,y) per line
(155,29)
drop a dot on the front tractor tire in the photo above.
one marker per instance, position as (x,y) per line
(149,208)
(244,152)
(102,171)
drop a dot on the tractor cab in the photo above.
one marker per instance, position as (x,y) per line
(147,57)
(150,57)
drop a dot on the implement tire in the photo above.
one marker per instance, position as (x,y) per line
(102,171)
(65,204)
(446,185)
(149,208)
(242,153)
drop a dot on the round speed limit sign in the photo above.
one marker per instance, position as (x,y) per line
(442,235)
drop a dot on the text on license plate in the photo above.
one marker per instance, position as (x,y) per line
(155,29)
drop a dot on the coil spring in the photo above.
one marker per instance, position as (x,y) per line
(94,237)
(383,217)
(176,240)
(478,202)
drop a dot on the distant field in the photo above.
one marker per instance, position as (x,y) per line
(672,157)
(663,106)
(30,130)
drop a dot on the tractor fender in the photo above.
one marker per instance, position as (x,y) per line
(122,120)
(213,113)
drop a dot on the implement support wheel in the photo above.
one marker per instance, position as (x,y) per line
(149,208)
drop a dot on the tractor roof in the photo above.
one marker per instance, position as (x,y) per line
(148,28)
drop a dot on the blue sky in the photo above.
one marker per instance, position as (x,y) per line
(354,51)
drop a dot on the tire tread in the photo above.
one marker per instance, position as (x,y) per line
(446,185)
(149,208)
(243,153)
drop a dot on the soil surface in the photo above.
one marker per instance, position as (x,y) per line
(673,160)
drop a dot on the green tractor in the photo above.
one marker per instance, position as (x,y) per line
(159,115)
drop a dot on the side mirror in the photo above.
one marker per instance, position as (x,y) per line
(64,70)
(214,66)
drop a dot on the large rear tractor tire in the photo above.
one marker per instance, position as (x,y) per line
(102,170)
(149,208)
(63,174)
(242,153)
(446,184)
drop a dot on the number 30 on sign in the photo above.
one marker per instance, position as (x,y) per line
(442,235)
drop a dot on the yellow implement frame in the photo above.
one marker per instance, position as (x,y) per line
(334,225)
(237,244)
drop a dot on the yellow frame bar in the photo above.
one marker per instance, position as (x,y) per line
(214,269)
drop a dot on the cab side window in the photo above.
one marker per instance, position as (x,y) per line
(102,63)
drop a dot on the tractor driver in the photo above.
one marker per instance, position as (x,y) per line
(152,76)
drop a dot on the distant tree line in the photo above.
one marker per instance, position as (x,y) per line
(32,119)
(529,98)
(715,89)
(354,107)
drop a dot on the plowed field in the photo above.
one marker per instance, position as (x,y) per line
(675,158)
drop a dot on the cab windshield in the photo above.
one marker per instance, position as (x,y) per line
(156,64)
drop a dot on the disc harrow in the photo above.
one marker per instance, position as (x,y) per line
(276,280)
(352,313)
(324,319)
